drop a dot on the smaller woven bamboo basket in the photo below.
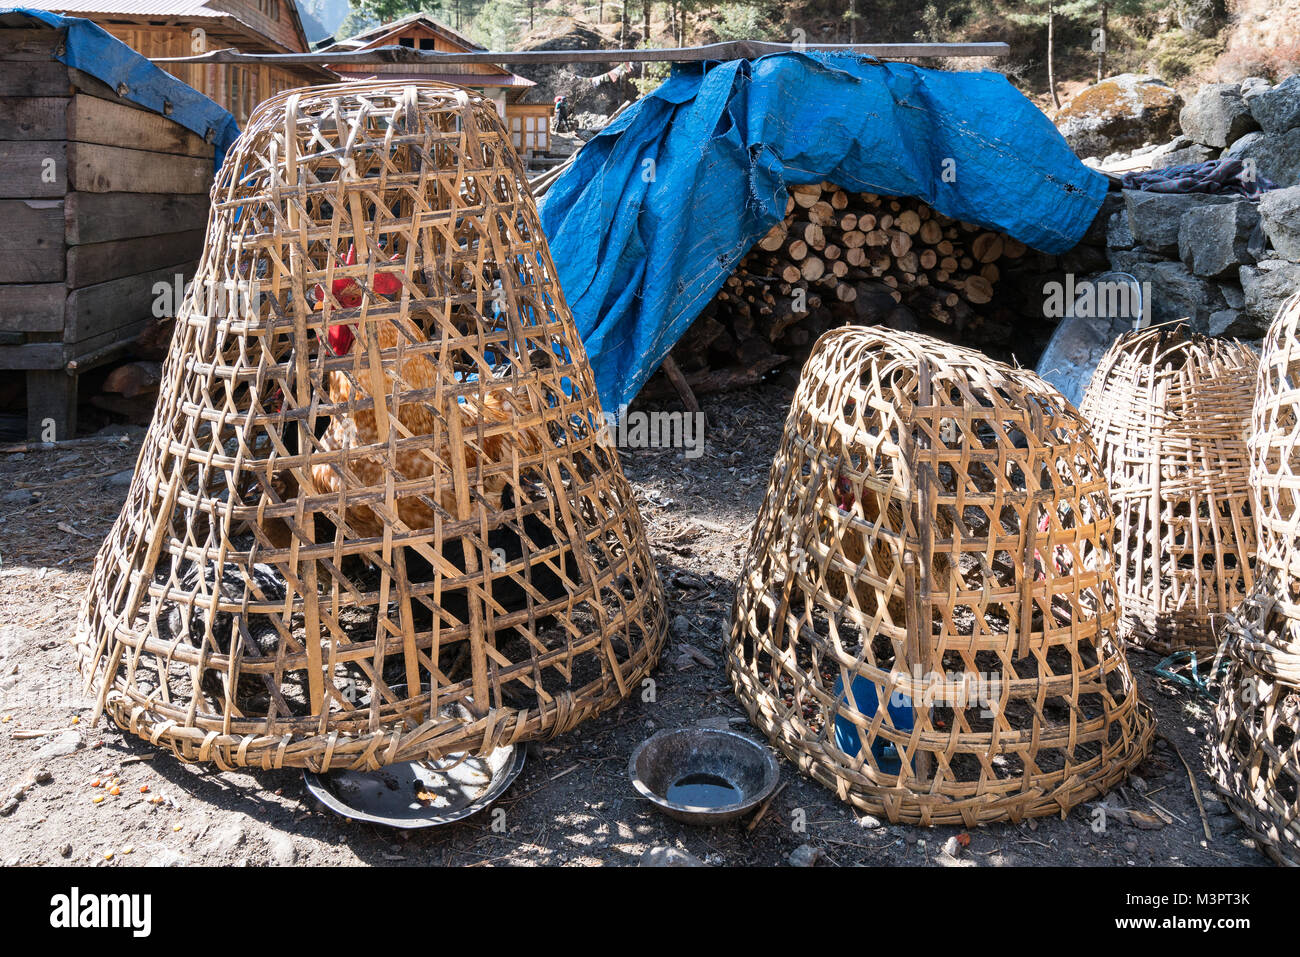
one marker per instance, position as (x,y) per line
(1275,444)
(376,517)
(1255,739)
(925,620)
(1170,412)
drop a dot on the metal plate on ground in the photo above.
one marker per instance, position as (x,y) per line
(414,794)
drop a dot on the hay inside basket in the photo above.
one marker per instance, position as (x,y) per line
(935,537)
(1170,412)
(377,463)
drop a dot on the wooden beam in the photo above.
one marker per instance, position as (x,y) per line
(101,262)
(31,243)
(33,118)
(32,308)
(51,405)
(114,169)
(743,49)
(33,355)
(33,169)
(104,217)
(92,120)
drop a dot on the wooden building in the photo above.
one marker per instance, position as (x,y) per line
(529,123)
(162,28)
(104,203)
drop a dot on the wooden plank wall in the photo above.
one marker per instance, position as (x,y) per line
(101,199)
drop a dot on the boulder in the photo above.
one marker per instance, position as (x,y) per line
(1224,322)
(1196,153)
(1253,85)
(1111,203)
(1216,115)
(1118,235)
(1175,293)
(1124,260)
(1121,112)
(1277,110)
(1279,210)
(1084,259)
(1214,239)
(1155,217)
(1276,155)
(1266,286)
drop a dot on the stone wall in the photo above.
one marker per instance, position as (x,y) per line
(1224,262)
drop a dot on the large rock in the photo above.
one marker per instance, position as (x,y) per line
(1174,293)
(1216,115)
(1267,285)
(1276,155)
(1155,217)
(1280,211)
(1196,153)
(1123,260)
(1252,86)
(1118,235)
(1120,112)
(1214,239)
(1278,110)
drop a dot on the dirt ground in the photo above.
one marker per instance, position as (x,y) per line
(573,803)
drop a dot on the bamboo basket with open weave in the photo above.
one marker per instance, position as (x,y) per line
(1254,756)
(936,536)
(1170,413)
(1255,740)
(376,516)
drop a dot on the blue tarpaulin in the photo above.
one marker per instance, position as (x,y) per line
(91,49)
(657,210)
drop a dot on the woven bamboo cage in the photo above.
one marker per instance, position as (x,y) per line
(936,535)
(1170,413)
(1275,444)
(376,517)
(1255,740)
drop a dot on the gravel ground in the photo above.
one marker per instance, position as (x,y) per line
(573,803)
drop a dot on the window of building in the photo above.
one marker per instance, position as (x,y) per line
(406,42)
(428,43)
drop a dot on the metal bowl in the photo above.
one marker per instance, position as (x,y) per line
(703,775)
(415,794)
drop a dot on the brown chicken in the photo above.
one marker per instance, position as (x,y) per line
(359,428)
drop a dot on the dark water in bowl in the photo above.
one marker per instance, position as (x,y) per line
(704,790)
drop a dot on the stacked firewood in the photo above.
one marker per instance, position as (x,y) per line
(841,257)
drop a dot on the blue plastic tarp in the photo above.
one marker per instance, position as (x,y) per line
(657,210)
(91,49)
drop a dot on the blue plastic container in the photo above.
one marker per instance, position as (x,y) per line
(865,702)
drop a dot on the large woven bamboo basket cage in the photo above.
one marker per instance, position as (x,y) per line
(1170,413)
(376,517)
(1275,443)
(935,536)
(1255,740)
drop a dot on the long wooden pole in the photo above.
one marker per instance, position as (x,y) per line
(741,49)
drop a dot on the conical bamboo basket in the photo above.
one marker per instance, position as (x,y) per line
(1170,412)
(1275,443)
(1255,741)
(936,535)
(376,516)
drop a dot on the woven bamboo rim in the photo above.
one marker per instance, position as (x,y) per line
(1275,443)
(1254,755)
(902,458)
(432,505)
(1170,412)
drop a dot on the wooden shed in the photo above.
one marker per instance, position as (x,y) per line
(104,203)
